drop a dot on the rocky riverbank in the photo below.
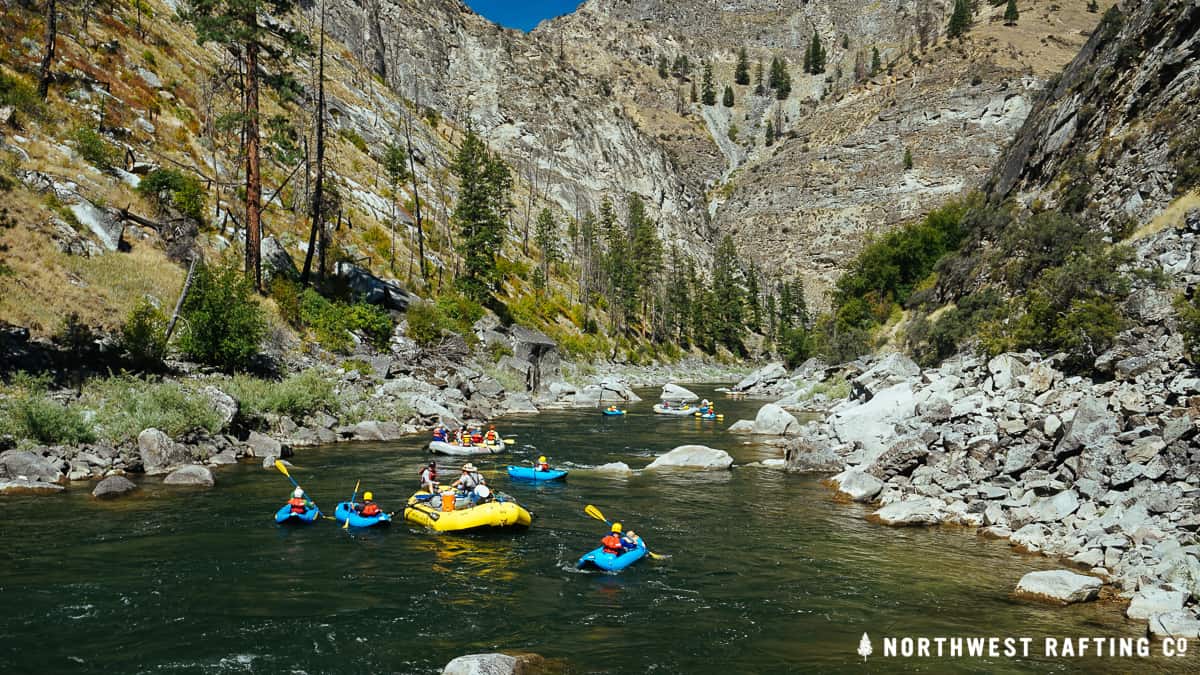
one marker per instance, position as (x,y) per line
(1101,473)
(374,396)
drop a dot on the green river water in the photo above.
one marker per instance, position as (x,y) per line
(767,573)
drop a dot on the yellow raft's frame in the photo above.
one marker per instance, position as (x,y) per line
(491,514)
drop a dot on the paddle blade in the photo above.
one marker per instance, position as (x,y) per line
(509,441)
(282,469)
(657,556)
(594,512)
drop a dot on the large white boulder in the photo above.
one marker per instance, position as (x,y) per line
(1152,600)
(857,486)
(192,474)
(1062,586)
(674,392)
(483,664)
(762,378)
(910,511)
(1178,624)
(159,453)
(773,420)
(873,424)
(693,457)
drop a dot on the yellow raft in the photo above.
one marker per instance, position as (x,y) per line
(502,512)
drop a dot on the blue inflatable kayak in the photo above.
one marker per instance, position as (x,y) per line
(529,473)
(614,412)
(611,562)
(342,512)
(285,515)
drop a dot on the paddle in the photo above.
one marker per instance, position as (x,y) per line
(595,513)
(346,526)
(283,470)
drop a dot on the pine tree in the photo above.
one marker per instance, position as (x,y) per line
(728,296)
(694,97)
(815,58)
(235,24)
(741,74)
(908,159)
(876,64)
(646,252)
(708,93)
(770,134)
(727,99)
(618,270)
(1011,14)
(780,80)
(1093,6)
(394,165)
(753,303)
(483,204)
(960,20)
(546,237)
(662,67)
(759,89)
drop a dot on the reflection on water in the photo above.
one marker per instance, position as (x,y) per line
(766,574)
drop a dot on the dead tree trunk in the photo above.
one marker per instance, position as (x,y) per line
(318,217)
(187,286)
(253,170)
(48,54)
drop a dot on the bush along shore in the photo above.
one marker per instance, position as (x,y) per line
(185,421)
(1102,473)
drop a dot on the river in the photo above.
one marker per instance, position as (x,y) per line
(767,573)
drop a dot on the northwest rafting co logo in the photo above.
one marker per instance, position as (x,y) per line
(1023,647)
(864,647)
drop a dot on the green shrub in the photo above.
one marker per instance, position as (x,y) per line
(425,323)
(499,350)
(286,294)
(125,405)
(17,92)
(28,414)
(171,188)
(224,325)
(1187,312)
(332,322)
(795,345)
(1042,241)
(297,396)
(1185,156)
(96,150)
(355,139)
(144,334)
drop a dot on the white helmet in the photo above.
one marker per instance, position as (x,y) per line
(297,493)
(482,492)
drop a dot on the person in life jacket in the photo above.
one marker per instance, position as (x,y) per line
(470,479)
(458,436)
(541,464)
(616,543)
(612,408)
(439,433)
(477,436)
(491,436)
(368,508)
(299,501)
(428,477)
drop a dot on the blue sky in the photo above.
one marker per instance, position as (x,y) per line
(522,14)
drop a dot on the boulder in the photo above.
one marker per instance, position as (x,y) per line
(901,459)
(277,263)
(807,457)
(1153,600)
(741,427)
(888,372)
(1005,370)
(28,466)
(261,445)
(22,486)
(909,511)
(858,486)
(385,293)
(192,474)
(1056,508)
(1179,624)
(494,664)
(762,379)
(430,410)
(1092,425)
(541,352)
(159,453)
(223,403)
(772,420)
(614,467)
(873,424)
(693,457)
(1062,586)
(676,393)
(372,430)
(518,403)
(113,486)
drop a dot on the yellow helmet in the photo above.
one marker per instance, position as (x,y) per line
(616,528)
(368,496)
(542,459)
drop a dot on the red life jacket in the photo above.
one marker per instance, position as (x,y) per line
(432,475)
(543,467)
(298,505)
(477,438)
(612,544)
(371,509)
(491,435)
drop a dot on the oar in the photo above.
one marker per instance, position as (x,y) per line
(283,470)
(595,513)
(346,526)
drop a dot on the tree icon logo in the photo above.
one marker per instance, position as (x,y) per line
(864,647)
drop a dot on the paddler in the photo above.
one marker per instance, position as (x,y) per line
(469,480)
(439,433)
(368,509)
(491,436)
(428,477)
(477,436)
(616,543)
(299,501)
(541,464)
